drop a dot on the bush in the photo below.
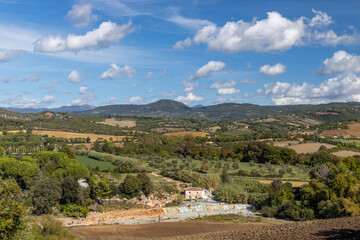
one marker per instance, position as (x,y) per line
(268,211)
(74,210)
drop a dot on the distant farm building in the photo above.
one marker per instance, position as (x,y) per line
(192,193)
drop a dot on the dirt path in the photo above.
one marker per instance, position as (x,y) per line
(158,230)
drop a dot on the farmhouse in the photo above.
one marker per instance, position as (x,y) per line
(194,193)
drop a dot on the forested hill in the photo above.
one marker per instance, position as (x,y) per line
(231,111)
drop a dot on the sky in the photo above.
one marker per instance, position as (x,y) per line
(101,52)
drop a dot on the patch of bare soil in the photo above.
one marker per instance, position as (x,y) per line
(340,228)
(160,230)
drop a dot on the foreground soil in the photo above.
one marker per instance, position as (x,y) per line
(341,228)
(159,230)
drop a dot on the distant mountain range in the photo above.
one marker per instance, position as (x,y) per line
(225,111)
(65,109)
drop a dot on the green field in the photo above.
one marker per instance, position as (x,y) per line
(95,163)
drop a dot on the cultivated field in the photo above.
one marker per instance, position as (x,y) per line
(354,130)
(121,124)
(309,147)
(345,153)
(95,163)
(62,134)
(340,228)
(195,134)
(293,183)
(285,143)
(159,230)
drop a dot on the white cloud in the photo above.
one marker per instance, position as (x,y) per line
(150,90)
(167,94)
(189,23)
(134,85)
(248,81)
(182,44)
(341,61)
(48,99)
(83,90)
(81,15)
(149,76)
(136,99)
(102,37)
(190,86)
(8,54)
(117,72)
(223,100)
(29,102)
(33,77)
(74,77)
(274,33)
(320,19)
(112,100)
(189,98)
(343,88)
(225,88)
(207,69)
(273,70)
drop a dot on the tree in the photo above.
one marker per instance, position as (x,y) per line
(130,187)
(46,193)
(145,183)
(2,151)
(69,152)
(225,177)
(77,171)
(72,192)
(11,208)
(205,167)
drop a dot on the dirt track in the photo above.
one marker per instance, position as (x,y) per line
(342,228)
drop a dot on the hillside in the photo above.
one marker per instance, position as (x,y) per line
(65,109)
(231,111)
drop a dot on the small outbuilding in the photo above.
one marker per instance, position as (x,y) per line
(194,193)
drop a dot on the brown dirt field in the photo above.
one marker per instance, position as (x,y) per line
(345,153)
(158,230)
(121,124)
(195,134)
(92,136)
(309,147)
(354,130)
(327,113)
(294,183)
(341,228)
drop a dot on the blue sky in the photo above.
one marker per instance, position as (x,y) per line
(100,52)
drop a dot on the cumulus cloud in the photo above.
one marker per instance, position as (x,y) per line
(29,102)
(207,70)
(189,98)
(8,54)
(85,96)
(225,88)
(117,72)
(74,77)
(274,33)
(136,99)
(149,76)
(182,44)
(190,86)
(341,61)
(102,37)
(83,90)
(273,70)
(81,15)
(112,100)
(343,88)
